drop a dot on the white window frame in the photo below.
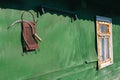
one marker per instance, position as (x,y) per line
(108,22)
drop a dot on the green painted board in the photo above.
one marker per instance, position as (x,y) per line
(67,52)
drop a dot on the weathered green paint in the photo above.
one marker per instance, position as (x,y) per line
(67,52)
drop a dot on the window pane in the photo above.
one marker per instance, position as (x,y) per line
(103,28)
(106,48)
(102,58)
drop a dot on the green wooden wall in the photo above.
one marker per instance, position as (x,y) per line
(67,52)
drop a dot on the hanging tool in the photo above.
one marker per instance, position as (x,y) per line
(29,35)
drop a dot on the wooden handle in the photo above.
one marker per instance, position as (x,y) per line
(36,36)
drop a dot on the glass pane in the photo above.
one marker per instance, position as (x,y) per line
(104,49)
(103,28)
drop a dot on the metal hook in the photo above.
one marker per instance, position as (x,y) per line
(19,21)
(30,13)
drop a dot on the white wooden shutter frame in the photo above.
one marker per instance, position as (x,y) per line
(104,37)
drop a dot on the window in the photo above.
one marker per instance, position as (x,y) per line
(104,41)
